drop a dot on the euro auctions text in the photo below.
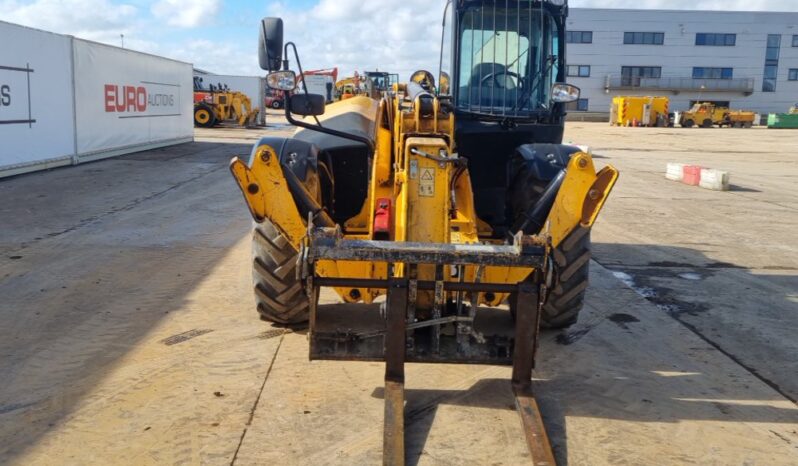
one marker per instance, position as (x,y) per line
(136,99)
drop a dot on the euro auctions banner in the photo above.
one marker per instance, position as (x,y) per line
(125,99)
(36,114)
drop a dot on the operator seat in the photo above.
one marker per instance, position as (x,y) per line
(485,94)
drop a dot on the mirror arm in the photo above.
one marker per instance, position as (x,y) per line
(317,127)
(330,131)
(301,75)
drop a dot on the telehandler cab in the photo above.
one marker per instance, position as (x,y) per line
(450,205)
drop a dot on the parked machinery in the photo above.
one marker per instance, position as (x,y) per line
(217,103)
(378,83)
(706,115)
(321,82)
(640,111)
(373,84)
(348,88)
(448,205)
(787,120)
(274,98)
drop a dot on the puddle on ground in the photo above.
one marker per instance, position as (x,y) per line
(660,296)
(627,280)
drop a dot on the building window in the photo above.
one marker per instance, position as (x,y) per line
(644,38)
(579,106)
(578,71)
(631,75)
(795,40)
(704,38)
(703,72)
(771,63)
(793,74)
(579,37)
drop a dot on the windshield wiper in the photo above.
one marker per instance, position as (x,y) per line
(551,59)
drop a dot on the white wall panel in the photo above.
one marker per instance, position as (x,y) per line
(36,112)
(126,99)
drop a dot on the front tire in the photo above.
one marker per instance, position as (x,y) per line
(572,261)
(571,257)
(204,116)
(571,268)
(279,294)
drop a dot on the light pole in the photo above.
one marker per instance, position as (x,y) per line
(122,37)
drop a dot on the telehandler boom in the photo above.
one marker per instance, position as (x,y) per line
(449,205)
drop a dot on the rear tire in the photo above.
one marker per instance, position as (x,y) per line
(279,294)
(688,124)
(706,123)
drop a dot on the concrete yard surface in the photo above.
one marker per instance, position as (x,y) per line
(128,333)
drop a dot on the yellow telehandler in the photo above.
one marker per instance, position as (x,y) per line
(449,205)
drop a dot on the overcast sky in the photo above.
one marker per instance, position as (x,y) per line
(221,35)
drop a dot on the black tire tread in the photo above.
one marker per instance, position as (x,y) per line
(572,262)
(210,123)
(279,295)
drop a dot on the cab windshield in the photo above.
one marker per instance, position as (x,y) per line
(507,58)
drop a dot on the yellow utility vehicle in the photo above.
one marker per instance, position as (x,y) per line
(216,104)
(706,115)
(348,88)
(640,111)
(449,206)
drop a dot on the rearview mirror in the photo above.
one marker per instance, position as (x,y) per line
(307,104)
(564,93)
(270,46)
(282,80)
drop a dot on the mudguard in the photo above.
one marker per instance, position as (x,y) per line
(305,160)
(544,161)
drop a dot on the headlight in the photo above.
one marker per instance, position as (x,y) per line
(564,93)
(282,80)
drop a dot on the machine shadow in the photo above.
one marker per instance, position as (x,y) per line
(112,297)
(670,404)
(742,189)
(603,367)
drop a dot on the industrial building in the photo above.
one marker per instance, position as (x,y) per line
(746,60)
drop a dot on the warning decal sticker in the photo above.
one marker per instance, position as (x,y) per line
(426,183)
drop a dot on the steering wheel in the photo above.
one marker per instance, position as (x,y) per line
(502,83)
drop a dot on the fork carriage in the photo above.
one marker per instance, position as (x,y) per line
(456,331)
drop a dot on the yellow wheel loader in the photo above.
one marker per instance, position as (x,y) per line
(448,206)
(218,104)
